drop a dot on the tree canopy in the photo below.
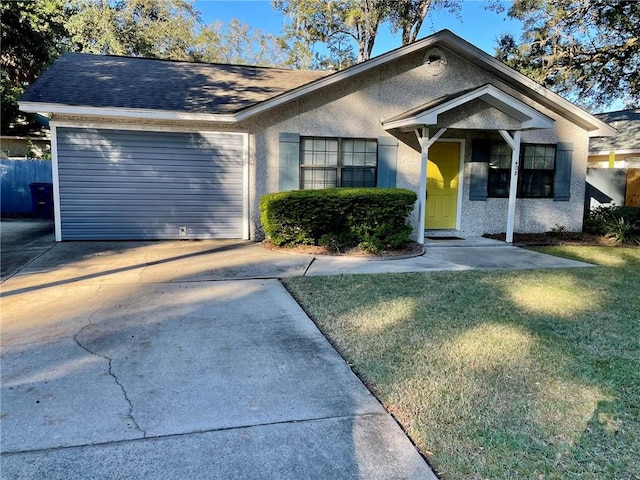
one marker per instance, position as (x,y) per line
(145,28)
(341,26)
(33,35)
(586,50)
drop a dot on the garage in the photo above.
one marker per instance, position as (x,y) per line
(116,184)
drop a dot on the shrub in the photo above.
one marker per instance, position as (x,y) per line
(338,217)
(614,222)
(622,230)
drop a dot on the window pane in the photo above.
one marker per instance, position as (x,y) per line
(371,159)
(318,178)
(498,182)
(319,158)
(358,177)
(500,156)
(359,146)
(307,157)
(550,163)
(536,184)
(358,158)
(347,158)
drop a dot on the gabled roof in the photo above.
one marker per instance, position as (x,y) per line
(105,81)
(627,140)
(428,114)
(227,93)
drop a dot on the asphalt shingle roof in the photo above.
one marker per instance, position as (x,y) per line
(124,82)
(627,122)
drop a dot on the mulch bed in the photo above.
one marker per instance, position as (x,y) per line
(551,238)
(411,249)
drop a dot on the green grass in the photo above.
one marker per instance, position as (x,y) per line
(519,374)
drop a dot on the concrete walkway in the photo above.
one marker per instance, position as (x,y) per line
(190,360)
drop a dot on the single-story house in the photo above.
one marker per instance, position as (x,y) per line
(162,149)
(621,150)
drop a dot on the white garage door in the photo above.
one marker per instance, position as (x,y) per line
(130,185)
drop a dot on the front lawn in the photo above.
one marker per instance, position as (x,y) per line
(494,375)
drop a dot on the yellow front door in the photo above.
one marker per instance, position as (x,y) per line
(443,171)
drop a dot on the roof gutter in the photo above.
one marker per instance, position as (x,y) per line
(35,107)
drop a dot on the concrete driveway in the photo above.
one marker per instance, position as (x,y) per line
(155,360)
(21,241)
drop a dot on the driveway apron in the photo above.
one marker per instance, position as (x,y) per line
(180,360)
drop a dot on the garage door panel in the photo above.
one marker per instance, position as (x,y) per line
(216,183)
(198,140)
(123,157)
(117,184)
(147,166)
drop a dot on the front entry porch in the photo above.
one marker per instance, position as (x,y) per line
(486,109)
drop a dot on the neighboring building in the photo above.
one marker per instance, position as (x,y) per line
(26,140)
(621,150)
(159,149)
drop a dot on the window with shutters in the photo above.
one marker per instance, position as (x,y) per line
(536,175)
(337,162)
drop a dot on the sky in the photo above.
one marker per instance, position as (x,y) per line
(476,25)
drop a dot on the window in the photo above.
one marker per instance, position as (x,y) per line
(499,170)
(337,162)
(535,178)
(537,168)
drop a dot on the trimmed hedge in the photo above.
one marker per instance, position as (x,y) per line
(374,218)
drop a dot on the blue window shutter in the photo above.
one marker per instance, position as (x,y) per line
(387,162)
(479,180)
(562,181)
(289,162)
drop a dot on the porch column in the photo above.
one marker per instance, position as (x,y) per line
(425,143)
(514,143)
